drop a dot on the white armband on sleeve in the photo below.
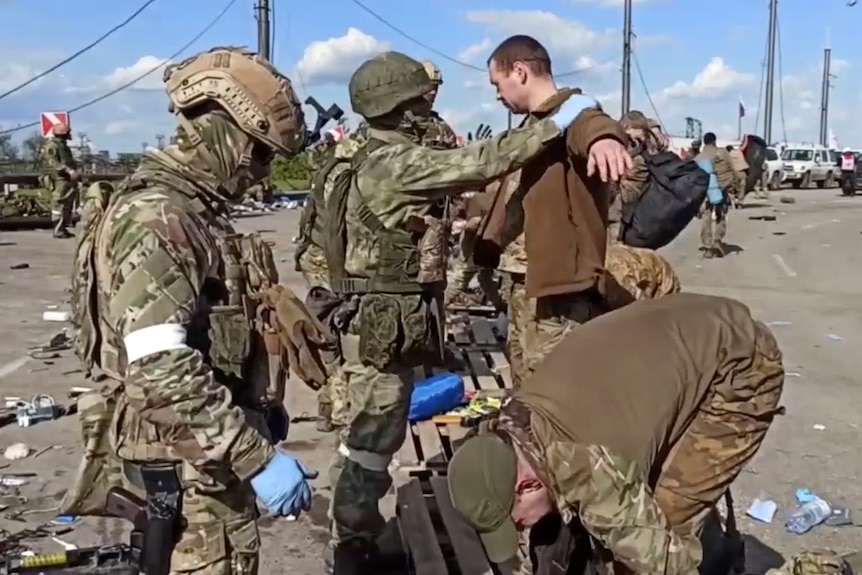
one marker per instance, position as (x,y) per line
(153,339)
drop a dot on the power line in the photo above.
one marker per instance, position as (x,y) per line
(433,50)
(80,52)
(762,84)
(646,90)
(137,79)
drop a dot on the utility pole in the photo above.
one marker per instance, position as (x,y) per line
(160,141)
(263,34)
(824,98)
(627,57)
(770,71)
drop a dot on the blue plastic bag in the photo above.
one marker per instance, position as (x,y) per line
(437,394)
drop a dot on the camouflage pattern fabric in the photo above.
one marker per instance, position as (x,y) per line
(145,261)
(514,257)
(313,265)
(637,273)
(713,219)
(57,161)
(813,562)
(657,530)
(439,134)
(550,320)
(519,321)
(394,182)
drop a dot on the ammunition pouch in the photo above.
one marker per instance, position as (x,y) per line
(397,329)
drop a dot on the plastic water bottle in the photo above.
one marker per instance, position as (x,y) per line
(808,516)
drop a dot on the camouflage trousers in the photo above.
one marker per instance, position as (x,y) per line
(519,311)
(313,265)
(220,534)
(549,320)
(819,562)
(376,425)
(462,273)
(724,435)
(636,274)
(713,225)
(63,195)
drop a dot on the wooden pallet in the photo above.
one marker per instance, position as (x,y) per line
(429,446)
(435,537)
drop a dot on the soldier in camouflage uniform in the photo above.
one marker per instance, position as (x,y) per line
(311,262)
(634,451)
(392,277)
(167,304)
(60,177)
(713,217)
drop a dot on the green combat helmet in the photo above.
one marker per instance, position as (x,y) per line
(385,82)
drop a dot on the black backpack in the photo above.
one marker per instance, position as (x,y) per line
(675,190)
(754,149)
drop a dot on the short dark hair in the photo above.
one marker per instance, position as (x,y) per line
(709,138)
(522,48)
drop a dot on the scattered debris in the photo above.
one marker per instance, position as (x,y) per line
(819,426)
(833,337)
(763,218)
(21,266)
(41,408)
(16,451)
(779,323)
(787,200)
(58,316)
(762,510)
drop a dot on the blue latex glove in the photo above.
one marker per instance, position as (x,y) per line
(571,108)
(283,486)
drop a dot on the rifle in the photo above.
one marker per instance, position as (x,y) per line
(115,559)
(334,113)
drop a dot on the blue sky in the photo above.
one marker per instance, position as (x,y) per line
(698,58)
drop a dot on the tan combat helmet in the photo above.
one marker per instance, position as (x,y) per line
(433,72)
(60,130)
(259,99)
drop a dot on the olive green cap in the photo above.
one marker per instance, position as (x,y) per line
(482,477)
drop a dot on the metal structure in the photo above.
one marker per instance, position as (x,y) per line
(824,98)
(770,71)
(263,30)
(627,58)
(693,128)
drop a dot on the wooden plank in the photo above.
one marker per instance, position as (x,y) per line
(465,542)
(484,333)
(417,530)
(432,446)
(408,456)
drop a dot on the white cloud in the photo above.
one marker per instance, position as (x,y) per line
(332,61)
(476,50)
(120,127)
(716,80)
(123,75)
(565,38)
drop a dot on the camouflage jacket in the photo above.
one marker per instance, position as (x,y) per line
(401,179)
(599,446)
(636,274)
(439,134)
(513,258)
(57,159)
(158,254)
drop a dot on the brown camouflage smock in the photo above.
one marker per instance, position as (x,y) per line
(636,274)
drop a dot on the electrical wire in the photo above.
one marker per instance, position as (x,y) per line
(646,90)
(80,52)
(780,79)
(433,50)
(137,79)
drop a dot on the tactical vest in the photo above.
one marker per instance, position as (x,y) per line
(398,260)
(230,328)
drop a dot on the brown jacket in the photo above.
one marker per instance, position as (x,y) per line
(565,212)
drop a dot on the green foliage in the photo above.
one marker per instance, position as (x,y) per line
(291,173)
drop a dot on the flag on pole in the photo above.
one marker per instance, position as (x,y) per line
(741,108)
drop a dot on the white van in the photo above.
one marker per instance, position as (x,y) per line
(806,164)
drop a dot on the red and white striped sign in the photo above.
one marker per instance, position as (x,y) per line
(51,119)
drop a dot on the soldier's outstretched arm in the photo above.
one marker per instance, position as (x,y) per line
(616,507)
(410,168)
(157,264)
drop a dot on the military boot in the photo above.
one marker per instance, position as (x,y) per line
(63,234)
(324,417)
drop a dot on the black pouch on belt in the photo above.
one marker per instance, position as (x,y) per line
(164,498)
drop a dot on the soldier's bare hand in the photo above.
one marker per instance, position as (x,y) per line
(610,158)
